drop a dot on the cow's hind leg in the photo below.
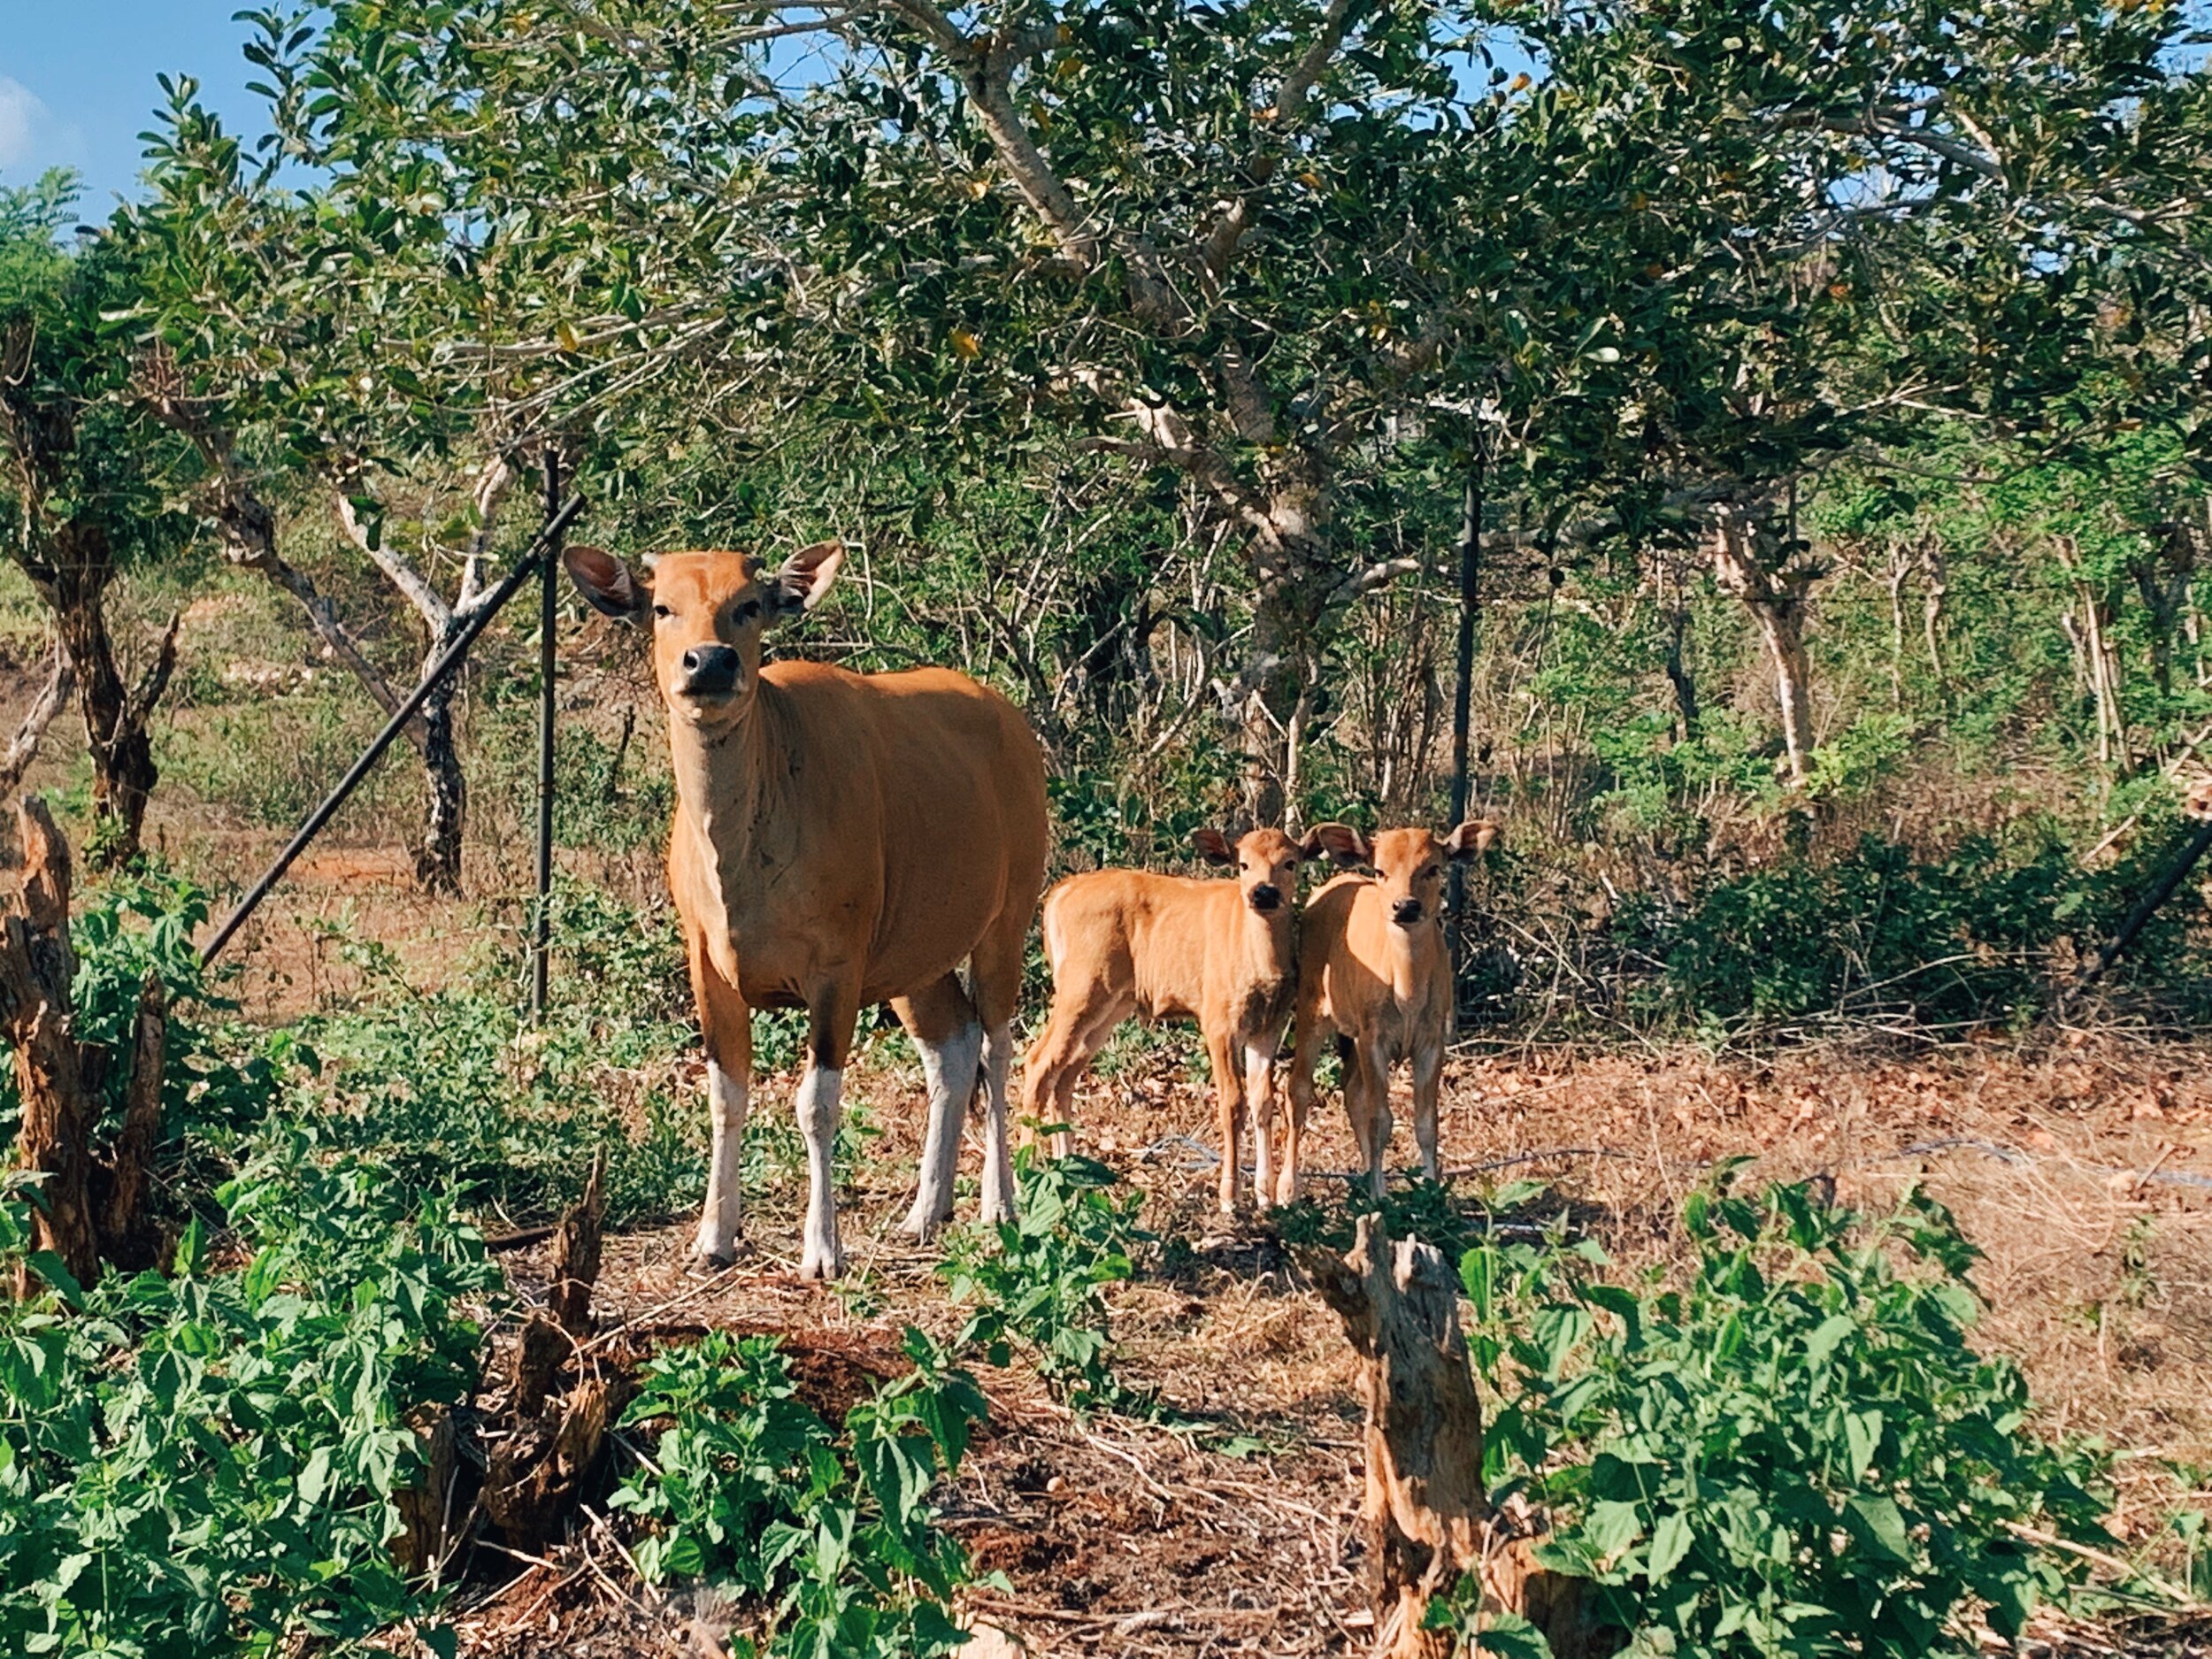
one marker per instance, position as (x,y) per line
(996,973)
(829,1039)
(943,1023)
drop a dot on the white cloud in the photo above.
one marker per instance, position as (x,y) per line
(21,114)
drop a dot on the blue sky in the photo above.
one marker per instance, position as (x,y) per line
(76,82)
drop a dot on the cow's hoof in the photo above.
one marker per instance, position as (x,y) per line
(704,1264)
(822,1267)
(922,1224)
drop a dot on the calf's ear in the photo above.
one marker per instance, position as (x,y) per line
(1213,847)
(606,582)
(806,578)
(1340,841)
(1470,840)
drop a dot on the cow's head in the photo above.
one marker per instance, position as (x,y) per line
(707,612)
(1266,862)
(1408,864)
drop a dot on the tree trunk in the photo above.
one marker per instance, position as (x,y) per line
(438,854)
(1678,674)
(73,584)
(1749,565)
(1935,588)
(1427,1518)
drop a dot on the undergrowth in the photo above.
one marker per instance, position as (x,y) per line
(1795,1450)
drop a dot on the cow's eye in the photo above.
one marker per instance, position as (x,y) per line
(662,610)
(747,611)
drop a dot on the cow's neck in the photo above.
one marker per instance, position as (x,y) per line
(1407,954)
(727,791)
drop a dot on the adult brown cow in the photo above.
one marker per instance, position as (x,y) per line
(840,840)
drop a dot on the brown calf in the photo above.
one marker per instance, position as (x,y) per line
(840,840)
(1374,973)
(1128,942)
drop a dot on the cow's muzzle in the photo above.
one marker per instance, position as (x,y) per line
(710,670)
(1406,913)
(1265,898)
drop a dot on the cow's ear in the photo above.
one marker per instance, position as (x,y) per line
(1470,840)
(608,584)
(1341,842)
(1213,847)
(806,576)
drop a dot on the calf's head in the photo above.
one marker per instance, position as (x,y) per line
(1408,864)
(1266,863)
(707,612)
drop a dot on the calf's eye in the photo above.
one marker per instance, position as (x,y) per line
(662,610)
(747,611)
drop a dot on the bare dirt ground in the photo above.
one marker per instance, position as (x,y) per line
(2084,1172)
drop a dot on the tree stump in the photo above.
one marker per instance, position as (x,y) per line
(57,1076)
(1427,1516)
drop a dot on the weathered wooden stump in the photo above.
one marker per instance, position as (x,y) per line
(90,1208)
(1427,1518)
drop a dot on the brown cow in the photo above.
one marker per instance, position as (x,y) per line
(1373,972)
(840,840)
(1129,941)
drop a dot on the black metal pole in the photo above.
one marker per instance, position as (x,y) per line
(541,923)
(1462,690)
(437,671)
(2193,850)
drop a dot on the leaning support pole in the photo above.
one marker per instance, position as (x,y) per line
(541,920)
(1463,689)
(478,620)
(2174,874)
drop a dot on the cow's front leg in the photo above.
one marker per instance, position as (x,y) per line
(998,1169)
(821,1090)
(726,1024)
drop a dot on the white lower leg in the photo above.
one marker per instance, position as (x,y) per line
(1424,1104)
(948,1073)
(721,1217)
(998,1171)
(819,1091)
(1259,1100)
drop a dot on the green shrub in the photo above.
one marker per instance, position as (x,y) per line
(205,1465)
(828,1531)
(1797,1452)
(1965,939)
(1040,1280)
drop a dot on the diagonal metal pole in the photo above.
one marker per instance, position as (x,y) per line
(542,921)
(525,567)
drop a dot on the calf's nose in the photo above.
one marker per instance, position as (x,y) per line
(1266,896)
(709,669)
(1405,912)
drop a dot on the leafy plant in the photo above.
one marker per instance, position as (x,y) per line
(206,1464)
(1039,1281)
(1798,1451)
(829,1531)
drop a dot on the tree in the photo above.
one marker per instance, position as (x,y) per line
(81,491)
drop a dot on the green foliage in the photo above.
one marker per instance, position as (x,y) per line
(205,1464)
(1798,1450)
(1968,938)
(828,1530)
(1039,1281)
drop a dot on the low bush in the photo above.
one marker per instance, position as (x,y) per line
(827,1532)
(1039,1281)
(205,1465)
(1796,1451)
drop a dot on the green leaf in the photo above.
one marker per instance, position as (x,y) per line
(1876,1522)
(1671,1541)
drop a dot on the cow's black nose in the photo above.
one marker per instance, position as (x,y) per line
(1405,912)
(1266,896)
(710,669)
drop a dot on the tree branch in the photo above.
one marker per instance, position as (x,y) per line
(414,587)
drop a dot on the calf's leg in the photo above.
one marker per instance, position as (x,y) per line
(1228,1113)
(996,969)
(1428,1071)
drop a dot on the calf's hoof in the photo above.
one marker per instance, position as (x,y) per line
(821,1267)
(923,1222)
